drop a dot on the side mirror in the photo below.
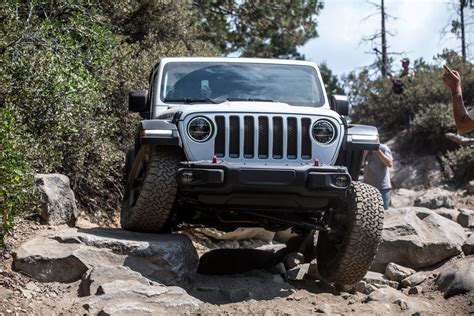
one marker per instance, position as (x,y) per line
(137,101)
(340,104)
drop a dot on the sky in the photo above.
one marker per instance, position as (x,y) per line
(342,25)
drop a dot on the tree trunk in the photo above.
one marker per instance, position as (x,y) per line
(384,42)
(463,35)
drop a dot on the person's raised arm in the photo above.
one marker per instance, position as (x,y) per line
(464,121)
(386,159)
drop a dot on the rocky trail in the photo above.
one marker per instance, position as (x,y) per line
(425,265)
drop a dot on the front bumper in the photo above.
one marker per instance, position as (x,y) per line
(205,177)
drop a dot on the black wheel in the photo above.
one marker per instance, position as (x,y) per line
(151,191)
(345,254)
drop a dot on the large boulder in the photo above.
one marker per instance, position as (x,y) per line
(451,214)
(420,173)
(403,198)
(65,255)
(434,199)
(121,291)
(417,238)
(457,277)
(466,218)
(58,202)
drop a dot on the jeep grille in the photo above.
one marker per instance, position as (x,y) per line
(257,136)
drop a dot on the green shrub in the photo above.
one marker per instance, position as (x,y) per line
(431,124)
(424,94)
(459,165)
(65,72)
(16,175)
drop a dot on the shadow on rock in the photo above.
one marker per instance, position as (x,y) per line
(234,261)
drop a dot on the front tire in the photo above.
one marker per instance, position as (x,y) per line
(346,254)
(150,194)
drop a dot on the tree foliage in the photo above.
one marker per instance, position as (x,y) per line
(66,69)
(331,81)
(427,98)
(259,28)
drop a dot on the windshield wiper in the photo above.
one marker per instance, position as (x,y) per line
(250,99)
(193,100)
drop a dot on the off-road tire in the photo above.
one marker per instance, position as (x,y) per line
(129,158)
(154,204)
(347,262)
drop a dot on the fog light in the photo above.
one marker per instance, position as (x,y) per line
(341,181)
(187,177)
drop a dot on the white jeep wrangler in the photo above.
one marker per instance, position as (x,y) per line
(232,142)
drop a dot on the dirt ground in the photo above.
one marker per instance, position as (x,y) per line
(255,292)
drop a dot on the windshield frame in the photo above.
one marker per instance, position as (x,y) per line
(159,99)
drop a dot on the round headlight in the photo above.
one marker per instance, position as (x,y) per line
(323,132)
(200,129)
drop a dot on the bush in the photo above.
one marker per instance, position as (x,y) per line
(459,165)
(65,73)
(425,95)
(431,124)
(16,175)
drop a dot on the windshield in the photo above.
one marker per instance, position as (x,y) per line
(217,82)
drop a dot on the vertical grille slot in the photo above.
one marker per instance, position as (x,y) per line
(219,143)
(234,137)
(249,131)
(277,137)
(305,139)
(292,135)
(263,137)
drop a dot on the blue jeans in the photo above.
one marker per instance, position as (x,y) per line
(385,197)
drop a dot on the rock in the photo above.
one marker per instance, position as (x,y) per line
(284,235)
(468,247)
(434,199)
(363,287)
(396,272)
(417,238)
(241,233)
(402,303)
(58,202)
(466,218)
(415,290)
(324,309)
(93,279)
(386,294)
(403,198)
(413,280)
(293,259)
(392,296)
(375,278)
(27,293)
(121,297)
(456,277)
(65,255)
(451,214)
(422,172)
(32,287)
(297,273)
